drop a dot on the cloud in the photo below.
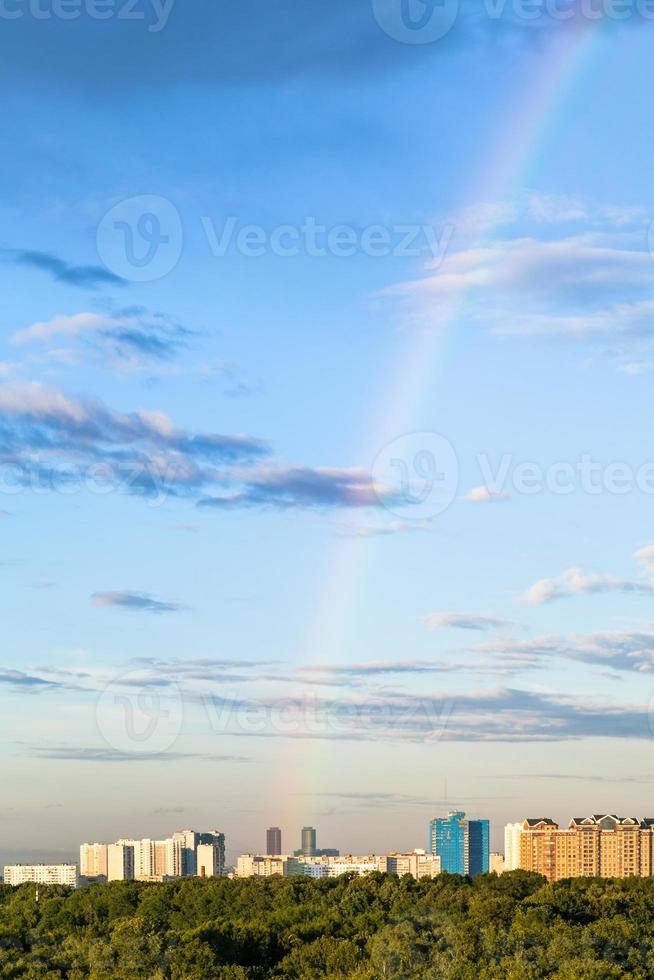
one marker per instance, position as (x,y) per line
(623,650)
(47,435)
(128,340)
(464,621)
(25,682)
(52,440)
(574,581)
(538,279)
(68,753)
(134,601)
(496,715)
(485,495)
(351,530)
(83,276)
(645,555)
(300,486)
(377,667)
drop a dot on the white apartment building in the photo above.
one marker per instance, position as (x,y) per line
(120,862)
(333,867)
(261,865)
(41,874)
(93,860)
(419,864)
(496,862)
(512,833)
(210,860)
(156,860)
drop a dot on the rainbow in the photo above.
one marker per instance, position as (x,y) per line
(523,134)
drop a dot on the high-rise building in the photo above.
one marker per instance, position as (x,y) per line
(93,860)
(120,862)
(512,833)
(273,840)
(308,847)
(210,860)
(154,860)
(478,847)
(462,845)
(449,839)
(41,874)
(602,845)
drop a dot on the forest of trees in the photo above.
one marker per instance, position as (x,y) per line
(512,926)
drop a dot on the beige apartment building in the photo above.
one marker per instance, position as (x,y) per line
(93,860)
(260,865)
(602,845)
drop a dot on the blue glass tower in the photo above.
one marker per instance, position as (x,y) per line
(462,845)
(449,838)
(478,847)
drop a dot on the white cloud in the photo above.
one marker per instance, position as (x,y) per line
(574,581)
(645,556)
(465,621)
(485,495)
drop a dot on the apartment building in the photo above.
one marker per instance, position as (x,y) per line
(41,874)
(93,861)
(261,865)
(418,864)
(120,862)
(601,845)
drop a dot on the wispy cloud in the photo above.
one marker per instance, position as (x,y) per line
(376,667)
(623,650)
(50,438)
(82,276)
(574,581)
(465,621)
(26,682)
(543,265)
(485,495)
(300,486)
(135,602)
(128,340)
(74,753)
(352,530)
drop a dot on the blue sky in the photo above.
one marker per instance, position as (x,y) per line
(202,525)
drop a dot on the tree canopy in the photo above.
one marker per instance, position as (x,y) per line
(514,926)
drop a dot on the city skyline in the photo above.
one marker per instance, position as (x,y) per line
(325,378)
